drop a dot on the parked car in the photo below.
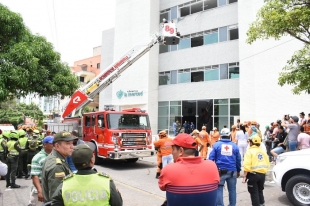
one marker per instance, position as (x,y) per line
(292,174)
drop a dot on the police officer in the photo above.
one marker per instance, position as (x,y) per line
(29,132)
(12,162)
(98,188)
(22,160)
(256,164)
(33,146)
(55,167)
(3,149)
(226,156)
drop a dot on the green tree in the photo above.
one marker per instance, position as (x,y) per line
(279,18)
(13,113)
(28,63)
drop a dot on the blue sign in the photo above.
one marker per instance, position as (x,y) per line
(129,93)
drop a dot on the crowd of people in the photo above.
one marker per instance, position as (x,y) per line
(242,145)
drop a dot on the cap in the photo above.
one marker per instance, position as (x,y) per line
(225,132)
(64,136)
(183,140)
(302,113)
(163,132)
(48,139)
(253,122)
(82,153)
(267,127)
(295,118)
(256,139)
(214,128)
(14,134)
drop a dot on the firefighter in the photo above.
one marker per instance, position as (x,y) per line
(13,153)
(166,151)
(33,147)
(159,156)
(22,160)
(195,135)
(204,136)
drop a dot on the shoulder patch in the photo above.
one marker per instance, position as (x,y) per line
(103,174)
(68,176)
(58,161)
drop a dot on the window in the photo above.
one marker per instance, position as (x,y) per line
(174,77)
(173,47)
(163,48)
(185,11)
(164,15)
(196,7)
(233,32)
(209,4)
(197,74)
(222,2)
(174,12)
(197,41)
(81,79)
(235,107)
(87,121)
(184,76)
(211,37)
(223,34)
(84,68)
(212,73)
(233,71)
(223,71)
(232,1)
(98,65)
(93,121)
(185,43)
(164,78)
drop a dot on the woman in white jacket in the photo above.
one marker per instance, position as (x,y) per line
(242,140)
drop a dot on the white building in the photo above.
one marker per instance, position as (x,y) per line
(48,105)
(212,77)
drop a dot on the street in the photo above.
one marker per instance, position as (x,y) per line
(138,186)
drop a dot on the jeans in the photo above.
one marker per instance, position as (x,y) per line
(292,145)
(167,159)
(256,187)
(231,186)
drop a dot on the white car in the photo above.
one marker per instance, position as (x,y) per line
(292,174)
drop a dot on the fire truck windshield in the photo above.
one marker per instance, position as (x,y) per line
(128,121)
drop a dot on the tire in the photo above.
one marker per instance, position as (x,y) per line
(98,160)
(298,190)
(132,160)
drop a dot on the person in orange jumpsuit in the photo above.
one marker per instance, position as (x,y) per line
(198,141)
(159,144)
(233,133)
(204,136)
(165,150)
(215,136)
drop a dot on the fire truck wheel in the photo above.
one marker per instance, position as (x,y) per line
(132,160)
(98,160)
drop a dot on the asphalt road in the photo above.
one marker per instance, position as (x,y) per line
(138,186)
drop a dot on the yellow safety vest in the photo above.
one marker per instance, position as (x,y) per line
(93,189)
(11,149)
(1,148)
(256,160)
(22,142)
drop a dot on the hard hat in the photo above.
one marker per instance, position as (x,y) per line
(162,133)
(14,134)
(256,139)
(225,132)
(21,133)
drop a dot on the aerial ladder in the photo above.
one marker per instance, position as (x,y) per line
(85,95)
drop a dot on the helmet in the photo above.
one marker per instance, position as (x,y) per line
(225,132)
(21,133)
(36,131)
(14,135)
(256,139)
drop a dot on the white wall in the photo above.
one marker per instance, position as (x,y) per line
(262,99)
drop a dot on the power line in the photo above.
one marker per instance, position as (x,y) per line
(55,25)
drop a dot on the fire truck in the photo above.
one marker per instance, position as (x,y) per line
(122,134)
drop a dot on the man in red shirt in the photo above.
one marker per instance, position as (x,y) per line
(190,180)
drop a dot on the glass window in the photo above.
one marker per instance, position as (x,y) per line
(174,77)
(232,1)
(128,121)
(209,4)
(175,103)
(163,111)
(196,7)
(163,48)
(235,109)
(220,109)
(184,77)
(197,76)
(224,71)
(234,101)
(212,74)
(164,78)
(233,34)
(87,121)
(233,72)
(174,12)
(166,103)
(173,47)
(221,101)
(175,110)
(223,34)
(163,123)
(222,2)
(101,120)
(93,121)
(205,112)
(164,15)
(184,11)
(211,38)
(185,43)
(219,122)
(197,41)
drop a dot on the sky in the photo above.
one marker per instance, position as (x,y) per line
(74,27)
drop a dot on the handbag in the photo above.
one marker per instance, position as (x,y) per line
(285,142)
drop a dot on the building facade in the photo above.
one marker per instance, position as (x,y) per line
(213,77)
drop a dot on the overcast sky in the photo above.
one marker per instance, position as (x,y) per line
(73,26)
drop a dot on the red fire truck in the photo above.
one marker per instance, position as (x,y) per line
(122,134)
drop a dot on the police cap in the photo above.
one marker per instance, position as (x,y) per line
(82,154)
(63,136)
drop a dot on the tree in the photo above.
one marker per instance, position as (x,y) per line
(279,18)
(28,63)
(13,113)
